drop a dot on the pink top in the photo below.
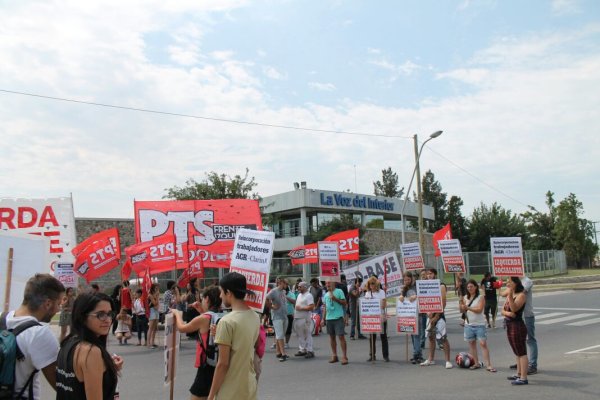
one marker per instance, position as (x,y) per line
(199,351)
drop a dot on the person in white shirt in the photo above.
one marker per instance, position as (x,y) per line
(141,319)
(374,291)
(302,321)
(41,301)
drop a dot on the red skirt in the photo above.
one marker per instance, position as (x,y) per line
(516,331)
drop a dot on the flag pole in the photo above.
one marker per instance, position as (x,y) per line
(9,268)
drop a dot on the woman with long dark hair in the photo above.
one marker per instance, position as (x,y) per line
(153,303)
(409,293)
(516,331)
(85,370)
(116,304)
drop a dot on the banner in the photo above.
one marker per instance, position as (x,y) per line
(406,317)
(52,218)
(159,255)
(194,270)
(65,274)
(411,256)
(207,225)
(251,257)
(329,263)
(380,266)
(429,296)
(507,256)
(348,248)
(442,234)
(452,256)
(126,270)
(171,349)
(97,255)
(371,318)
(146,286)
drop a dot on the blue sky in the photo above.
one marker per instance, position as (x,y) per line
(513,84)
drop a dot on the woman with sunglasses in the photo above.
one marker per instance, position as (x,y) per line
(85,370)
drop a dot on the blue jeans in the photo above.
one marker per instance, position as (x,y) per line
(531,341)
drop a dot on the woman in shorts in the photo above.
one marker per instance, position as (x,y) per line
(516,331)
(153,303)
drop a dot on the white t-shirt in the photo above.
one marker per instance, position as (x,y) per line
(303,300)
(380,294)
(475,318)
(40,348)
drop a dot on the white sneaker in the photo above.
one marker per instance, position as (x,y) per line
(273,345)
(427,363)
(448,365)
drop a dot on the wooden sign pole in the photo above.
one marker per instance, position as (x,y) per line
(9,267)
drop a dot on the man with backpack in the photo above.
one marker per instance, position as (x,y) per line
(36,347)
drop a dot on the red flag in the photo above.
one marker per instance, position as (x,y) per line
(126,270)
(304,254)
(160,255)
(97,255)
(442,234)
(195,270)
(347,244)
(146,286)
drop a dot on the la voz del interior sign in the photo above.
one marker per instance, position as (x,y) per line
(339,200)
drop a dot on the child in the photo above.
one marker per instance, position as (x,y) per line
(123,331)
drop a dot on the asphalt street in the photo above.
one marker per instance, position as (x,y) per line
(567,327)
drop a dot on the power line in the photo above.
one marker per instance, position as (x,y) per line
(478,179)
(173,114)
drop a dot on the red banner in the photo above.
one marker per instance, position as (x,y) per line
(146,286)
(195,270)
(159,255)
(442,234)
(207,225)
(126,271)
(97,255)
(347,248)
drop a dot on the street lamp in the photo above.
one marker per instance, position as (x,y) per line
(418,173)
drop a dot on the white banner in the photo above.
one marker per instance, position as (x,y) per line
(371,318)
(51,218)
(171,349)
(452,257)
(329,263)
(406,317)
(429,296)
(64,273)
(251,257)
(507,256)
(411,256)
(380,266)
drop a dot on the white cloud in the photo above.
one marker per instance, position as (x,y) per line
(407,68)
(565,7)
(324,87)
(273,73)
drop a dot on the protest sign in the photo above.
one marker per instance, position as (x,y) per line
(387,269)
(452,257)
(97,255)
(65,274)
(52,218)
(429,296)
(251,257)
(507,256)
(329,264)
(406,317)
(171,351)
(371,318)
(411,256)
(208,226)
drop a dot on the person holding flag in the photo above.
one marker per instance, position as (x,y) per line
(141,320)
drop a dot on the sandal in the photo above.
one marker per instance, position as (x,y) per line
(476,366)
(344,361)
(333,359)
(491,369)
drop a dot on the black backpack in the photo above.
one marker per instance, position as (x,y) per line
(10,354)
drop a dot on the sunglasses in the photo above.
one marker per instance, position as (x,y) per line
(103,315)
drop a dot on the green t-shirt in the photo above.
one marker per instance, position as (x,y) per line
(290,307)
(334,309)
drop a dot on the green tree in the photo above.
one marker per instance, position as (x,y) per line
(574,233)
(343,223)
(215,186)
(458,222)
(388,185)
(540,226)
(432,195)
(493,221)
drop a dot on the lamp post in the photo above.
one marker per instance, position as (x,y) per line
(417,171)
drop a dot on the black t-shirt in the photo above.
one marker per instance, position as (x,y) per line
(490,291)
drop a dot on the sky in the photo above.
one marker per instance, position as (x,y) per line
(514,85)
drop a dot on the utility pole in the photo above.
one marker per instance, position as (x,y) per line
(419,198)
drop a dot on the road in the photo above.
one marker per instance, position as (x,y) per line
(568,326)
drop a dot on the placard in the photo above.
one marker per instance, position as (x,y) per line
(65,274)
(507,256)
(387,269)
(329,263)
(251,257)
(406,317)
(371,319)
(452,257)
(171,349)
(429,296)
(411,256)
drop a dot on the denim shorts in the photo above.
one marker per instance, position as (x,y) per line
(473,332)
(280,326)
(335,327)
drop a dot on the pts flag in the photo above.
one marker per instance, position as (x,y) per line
(442,234)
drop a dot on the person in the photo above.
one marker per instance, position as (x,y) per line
(192,296)
(259,350)
(302,321)
(116,304)
(66,307)
(354,294)
(409,293)
(516,331)
(335,302)
(85,369)
(374,291)
(530,324)
(472,304)
(126,302)
(422,316)
(171,297)
(290,298)
(208,306)
(489,286)
(460,290)
(123,331)
(277,300)
(141,319)
(237,335)
(317,293)
(153,303)
(41,301)
(95,287)
(436,327)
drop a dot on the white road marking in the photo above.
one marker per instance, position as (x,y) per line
(585,322)
(567,309)
(563,319)
(584,350)
(551,315)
